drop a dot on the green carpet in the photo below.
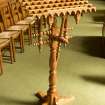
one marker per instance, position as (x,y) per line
(81,67)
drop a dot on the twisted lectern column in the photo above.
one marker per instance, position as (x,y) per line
(55,38)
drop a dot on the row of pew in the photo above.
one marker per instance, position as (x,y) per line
(14,23)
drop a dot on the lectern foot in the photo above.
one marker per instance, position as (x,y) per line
(41,95)
(44,100)
(64,100)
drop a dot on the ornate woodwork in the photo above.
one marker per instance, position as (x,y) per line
(45,8)
(50,9)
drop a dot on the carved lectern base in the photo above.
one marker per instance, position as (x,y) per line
(44,100)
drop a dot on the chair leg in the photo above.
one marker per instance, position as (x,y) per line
(13,48)
(1,64)
(21,38)
(30,34)
(11,51)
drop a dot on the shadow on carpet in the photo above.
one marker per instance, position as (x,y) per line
(95,79)
(13,101)
(92,45)
(99,16)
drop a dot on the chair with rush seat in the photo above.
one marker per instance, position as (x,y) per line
(11,35)
(10,26)
(25,17)
(17,20)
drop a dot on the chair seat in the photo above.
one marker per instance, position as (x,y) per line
(23,22)
(18,27)
(30,19)
(8,34)
(26,21)
(3,42)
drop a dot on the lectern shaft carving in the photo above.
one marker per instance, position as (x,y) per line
(56,37)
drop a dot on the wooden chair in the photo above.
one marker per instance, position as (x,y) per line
(15,35)
(17,20)
(26,17)
(10,26)
(24,13)
(5,43)
(11,35)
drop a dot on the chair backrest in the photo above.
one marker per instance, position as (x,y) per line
(14,11)
(6,15)
(1,23)
(23,12)
(19,9)
(3,2)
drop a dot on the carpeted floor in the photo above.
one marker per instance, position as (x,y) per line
(81,67)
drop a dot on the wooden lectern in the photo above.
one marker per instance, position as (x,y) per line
(46,11)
